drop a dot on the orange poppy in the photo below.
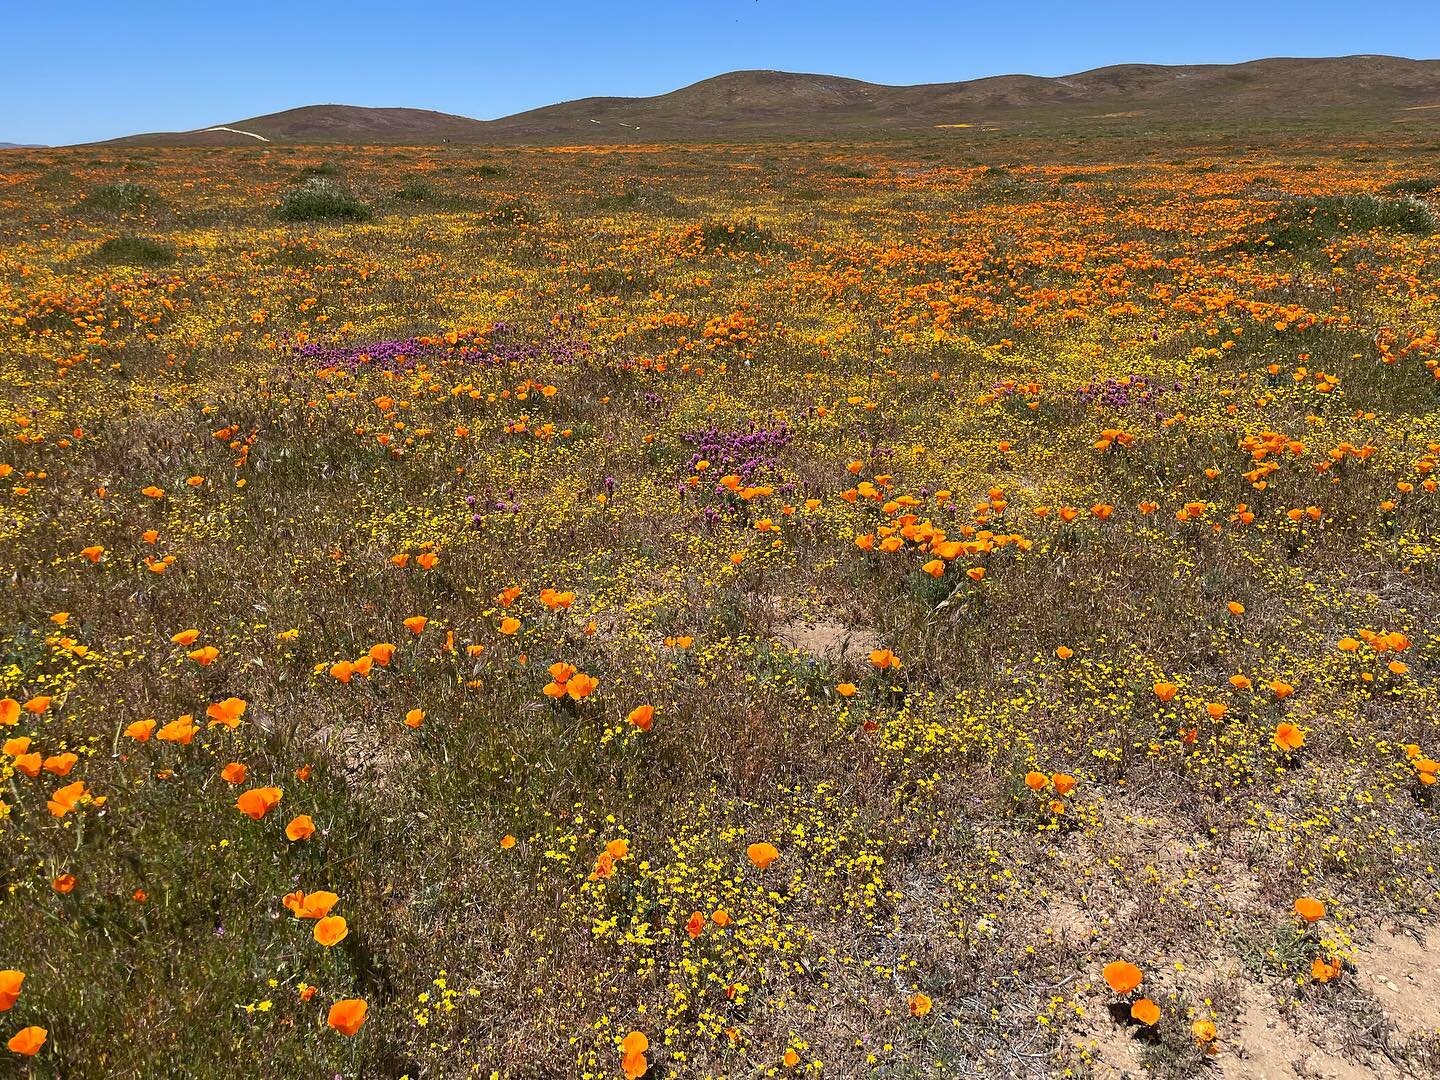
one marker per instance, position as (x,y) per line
(382,653)
(1145,1011)
(331,930)
(10,988)
(632,1055)
(315,905)
(414,718)
(234,773)
(920,1004)
(9,711)
(642,716)
(1166,691)
(1288,737)
(301,827)
(581,685)
(140,730)
(416,625)
(762,855)
(347,1016)
(257,802)
(1310,909)
(227,713)
(28,1041)
(180,730)
(1122,976)
(65,799)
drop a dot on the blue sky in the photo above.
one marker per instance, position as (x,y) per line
(92,69)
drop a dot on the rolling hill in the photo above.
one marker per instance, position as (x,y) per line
(758,104)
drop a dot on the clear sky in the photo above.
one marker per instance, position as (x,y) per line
(77,70)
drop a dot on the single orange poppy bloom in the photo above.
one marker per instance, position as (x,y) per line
(227,713)
(331,930)
(1146,1011)
(1310,909)
(234,773)
(1122,976)
(347,1016)
(642,716)
(28,1041)
(1288,737)
(301,827)
(762,855)
(10,988)
(257,802)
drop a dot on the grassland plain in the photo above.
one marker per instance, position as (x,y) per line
(722,610)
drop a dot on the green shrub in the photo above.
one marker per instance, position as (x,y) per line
(1419,185)
(134,251)
(417,191)
(120,198)
(512,214)
(1311,223)
(324,168)
(747,235)
(321,199)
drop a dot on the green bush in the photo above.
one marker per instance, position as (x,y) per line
(134,251)
(1311,223)
(417,191)
(120,198)
(748,235)
(512,214)
(321,199)
(1419,185)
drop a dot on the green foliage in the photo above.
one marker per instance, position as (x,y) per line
(321,199)
(120,198)
(746,235)
(1419,185)
(512,214)
(1310,223)
(134,251)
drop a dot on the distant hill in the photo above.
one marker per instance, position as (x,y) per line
(757,104)
(20,146)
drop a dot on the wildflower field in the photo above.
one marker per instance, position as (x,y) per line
(952,607)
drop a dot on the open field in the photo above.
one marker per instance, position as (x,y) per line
(814,606)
